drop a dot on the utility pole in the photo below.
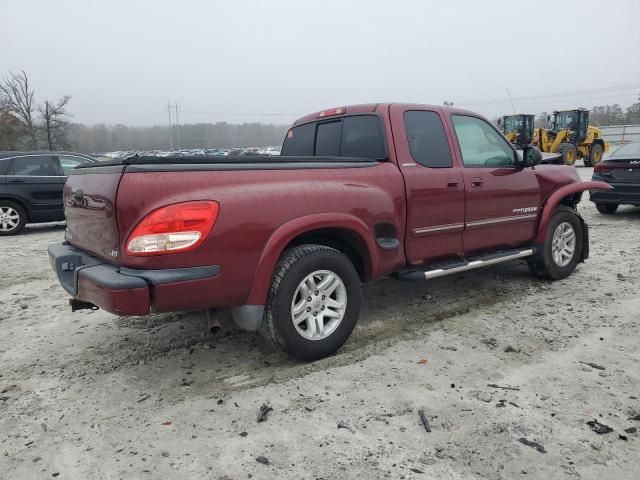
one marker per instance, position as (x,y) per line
(177,127)
(511,100)
(170,132)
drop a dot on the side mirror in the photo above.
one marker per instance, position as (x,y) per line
(531,156)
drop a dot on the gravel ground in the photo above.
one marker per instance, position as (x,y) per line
(90,395)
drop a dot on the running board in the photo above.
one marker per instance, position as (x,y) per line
(464,265)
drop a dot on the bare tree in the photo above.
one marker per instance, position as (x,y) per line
(54,123)
(16,96)
(11,130)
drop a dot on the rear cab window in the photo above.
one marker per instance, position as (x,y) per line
(352,136)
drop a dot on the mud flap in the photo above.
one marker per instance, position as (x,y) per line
(585,239)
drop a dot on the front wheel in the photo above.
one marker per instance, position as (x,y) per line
(313,303)
(562,247)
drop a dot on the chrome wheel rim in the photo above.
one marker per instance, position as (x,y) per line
(318,305)
(9,219)
(563,244)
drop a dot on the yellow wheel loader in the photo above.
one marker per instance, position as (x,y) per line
(518,129)
(573,137)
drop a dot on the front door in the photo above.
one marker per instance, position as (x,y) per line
(434,186)
(502,199)
(35,179)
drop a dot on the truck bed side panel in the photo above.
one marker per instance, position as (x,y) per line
(253,205)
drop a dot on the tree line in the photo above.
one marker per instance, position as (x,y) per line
(27,125)
(604,115)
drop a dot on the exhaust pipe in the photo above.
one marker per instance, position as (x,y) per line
(213,322)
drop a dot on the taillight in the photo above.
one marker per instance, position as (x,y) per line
(179,227)
(601,168)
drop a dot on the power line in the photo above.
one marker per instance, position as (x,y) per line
(244,113)
(581,94)
(555,95)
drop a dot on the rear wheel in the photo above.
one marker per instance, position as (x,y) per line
(607,208)
(12,218)
(314,302)
(569,153)
(595,155)
(562,246)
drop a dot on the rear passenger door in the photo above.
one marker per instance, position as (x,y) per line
(35,180)
(434,185)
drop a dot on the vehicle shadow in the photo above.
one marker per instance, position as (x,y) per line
(177,343)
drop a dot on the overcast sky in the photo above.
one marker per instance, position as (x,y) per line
(121,61)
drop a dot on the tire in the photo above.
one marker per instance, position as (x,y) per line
(595,155)
(607,208)
(547,264)
(297,265)
(569,153)
(13,218)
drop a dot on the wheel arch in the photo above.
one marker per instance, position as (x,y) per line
(568,195)
(346,233)
(18,201)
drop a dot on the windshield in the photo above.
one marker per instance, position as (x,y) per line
(628,150)
(566,120)
(512,124)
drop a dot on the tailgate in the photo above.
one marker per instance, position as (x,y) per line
(89,207)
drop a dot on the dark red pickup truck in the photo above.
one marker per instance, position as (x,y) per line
(359,192)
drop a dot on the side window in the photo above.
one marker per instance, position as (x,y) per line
(40,166)
(68,162)
(4,166)
(480,144)
(299,140)
(328,139)
(362,136)
(427,140)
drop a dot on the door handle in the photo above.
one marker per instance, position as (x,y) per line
(452,182)
(16,180)
(476,181)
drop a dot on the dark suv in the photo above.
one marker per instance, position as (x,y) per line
(31,187)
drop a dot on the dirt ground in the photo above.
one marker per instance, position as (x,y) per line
(89,395)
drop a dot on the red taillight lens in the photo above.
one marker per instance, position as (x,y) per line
(600,168)
(174,228)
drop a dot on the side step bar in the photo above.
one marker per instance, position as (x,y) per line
(464,265)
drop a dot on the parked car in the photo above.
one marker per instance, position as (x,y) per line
(621,170)
(31,187)
(358,193)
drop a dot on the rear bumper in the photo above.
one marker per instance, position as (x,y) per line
(126,291)
(622,193)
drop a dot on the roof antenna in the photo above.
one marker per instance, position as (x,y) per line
(511,100)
